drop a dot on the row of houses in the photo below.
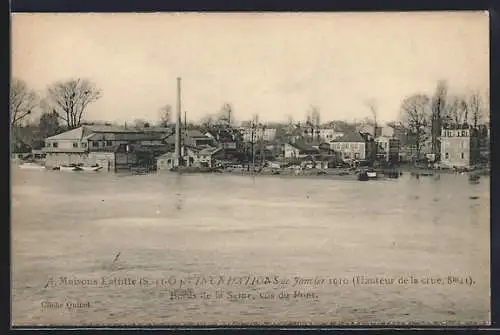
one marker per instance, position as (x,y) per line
(463,146)
(117,148)
(268,134)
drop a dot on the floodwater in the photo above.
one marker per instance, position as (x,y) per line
(102,231)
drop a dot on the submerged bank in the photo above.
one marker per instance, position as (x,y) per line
(334,173)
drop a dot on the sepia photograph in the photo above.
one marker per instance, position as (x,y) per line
(250,169)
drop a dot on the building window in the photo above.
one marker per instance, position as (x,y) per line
(47,144)
(55,144)
(95,144)
(109,143)
(462,155)
(446,155)
(103,143)
(75,144)
(84,145)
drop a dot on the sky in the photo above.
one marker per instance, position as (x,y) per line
(276,65)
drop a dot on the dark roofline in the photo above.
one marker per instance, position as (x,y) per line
(348,138)
(302,147)
(126,131)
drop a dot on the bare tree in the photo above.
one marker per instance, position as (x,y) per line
(315,116)
(289,122)
(23,101)
(372,106)
(226,114)
(456,111)
(438,113)
(415,116)
(49,124)
(313,119)
(476,108)
(70,99)
(207,122)
(165,115)
(141,123)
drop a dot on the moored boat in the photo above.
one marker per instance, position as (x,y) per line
(474,177)
(70,168)
(90,168)
(363,176)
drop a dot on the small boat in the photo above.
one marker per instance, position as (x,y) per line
(70,168)
(371,174)
(363,176)
(32,166)
(474,178)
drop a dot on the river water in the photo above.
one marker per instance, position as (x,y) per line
(177,230)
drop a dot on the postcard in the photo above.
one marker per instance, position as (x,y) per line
(180,169)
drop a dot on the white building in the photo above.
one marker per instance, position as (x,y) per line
(294,150)
(459,147)
(106,146)
(264,134)
(350,146)
(329,134)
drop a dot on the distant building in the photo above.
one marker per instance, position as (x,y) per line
(200,157)
(387,149)
(258,134)
(192,138)
(165,161)
(385,131)
(460,147)
(111,147)
(193,157)
(223,138)
(351,146)
(328,134)
(296,150)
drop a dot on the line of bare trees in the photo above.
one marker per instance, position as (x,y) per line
(422,117)
(223,118)
(66,100)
